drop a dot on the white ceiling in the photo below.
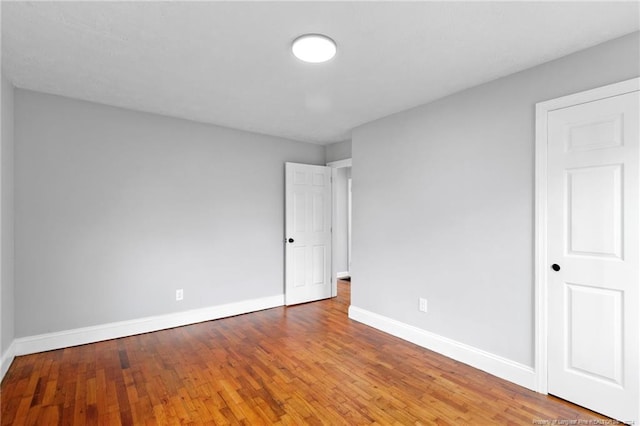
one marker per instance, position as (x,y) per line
(230,63)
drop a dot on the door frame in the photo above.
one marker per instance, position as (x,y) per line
(335,165)
(540,240)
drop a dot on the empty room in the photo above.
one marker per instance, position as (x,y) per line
(324,212)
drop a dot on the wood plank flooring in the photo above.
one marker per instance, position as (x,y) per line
(307,364)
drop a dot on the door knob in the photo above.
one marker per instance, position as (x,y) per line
(290,240)
(555,267)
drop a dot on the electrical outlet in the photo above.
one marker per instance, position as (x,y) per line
(179,294)
(423,305)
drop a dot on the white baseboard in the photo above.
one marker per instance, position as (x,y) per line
(81,336)
(493,364)
(343,274)
(7,359)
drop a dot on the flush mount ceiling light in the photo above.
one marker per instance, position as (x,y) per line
(314,48)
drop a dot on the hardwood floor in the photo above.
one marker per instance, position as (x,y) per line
(307,364)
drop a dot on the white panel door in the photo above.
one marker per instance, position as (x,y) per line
(307,233)
(593,275)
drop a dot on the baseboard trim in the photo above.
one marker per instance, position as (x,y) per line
(6,359)
(493,364)
(343,274)
(82,336)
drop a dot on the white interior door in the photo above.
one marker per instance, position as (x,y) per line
(307,233)
(592,251)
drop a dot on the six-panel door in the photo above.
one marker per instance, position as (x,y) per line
(307,233)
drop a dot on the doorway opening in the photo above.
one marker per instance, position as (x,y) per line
(341,220)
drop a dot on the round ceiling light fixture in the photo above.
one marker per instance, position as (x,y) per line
(314,48)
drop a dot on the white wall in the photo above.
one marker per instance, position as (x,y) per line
(6,227)
(116,209)
(338,151)
(444,204)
